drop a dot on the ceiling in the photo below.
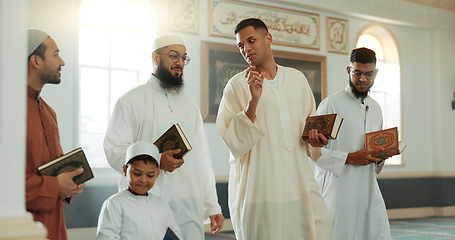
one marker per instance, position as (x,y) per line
(448,5)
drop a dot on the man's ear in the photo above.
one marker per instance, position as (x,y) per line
(35,61)
(125,169)
(156,58)
(348,69)
(269,39)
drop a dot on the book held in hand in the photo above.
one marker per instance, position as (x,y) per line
(328,125)
(173,138)
(171,235)
(386,139)
(68,163)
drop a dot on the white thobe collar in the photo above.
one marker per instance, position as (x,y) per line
(155,83)
(348,90)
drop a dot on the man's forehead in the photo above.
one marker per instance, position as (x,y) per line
(243,37)
(50,43)
(356,65)
(176,48)
(249,32)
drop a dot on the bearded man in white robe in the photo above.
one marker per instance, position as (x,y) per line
(144,114)
(272,192)
(346,172)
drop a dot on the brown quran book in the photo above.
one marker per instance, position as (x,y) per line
(328,125)
(173,138)
(68,163)
(387,139)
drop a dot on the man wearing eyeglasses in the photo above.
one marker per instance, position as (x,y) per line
(345,171)
(144,114)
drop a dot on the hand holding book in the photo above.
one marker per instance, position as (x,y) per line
(169,162)
(386,140)
(328,125)
(66,187)
(173,145)
(316,139)
(72,171)
(363,157)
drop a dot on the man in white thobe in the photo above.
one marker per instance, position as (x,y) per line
(144,114)
(272,192)
(346,172)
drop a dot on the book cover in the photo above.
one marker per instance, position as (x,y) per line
(329,125)
(387,139)
(173,138)
(68,163)
(171,235)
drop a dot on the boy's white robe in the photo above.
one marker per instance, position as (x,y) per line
(127,216)
(351,192)
(144,114)
(272,192)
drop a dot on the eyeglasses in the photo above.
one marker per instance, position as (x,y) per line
(358,74)
(175,57)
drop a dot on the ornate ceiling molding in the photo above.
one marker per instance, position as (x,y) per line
(387,11)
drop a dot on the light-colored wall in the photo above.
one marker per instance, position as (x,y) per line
(443,72)
(60,19)
(12,107)
(426,57)
(15,221)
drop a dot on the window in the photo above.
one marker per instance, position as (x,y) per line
(115,41)
(386,89)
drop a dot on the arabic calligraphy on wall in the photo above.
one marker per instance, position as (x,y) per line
(288,27)
(184,16)
(337,35)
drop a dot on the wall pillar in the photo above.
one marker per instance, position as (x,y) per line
(15,222)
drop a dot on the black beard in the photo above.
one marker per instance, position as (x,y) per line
(50,78)
(356,93)
(168,81)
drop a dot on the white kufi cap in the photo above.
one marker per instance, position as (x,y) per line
(142,148)
(35,38)
(167,40)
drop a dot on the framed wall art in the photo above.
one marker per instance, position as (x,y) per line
(337,35)
(184,16)
(220,62)
(288,27)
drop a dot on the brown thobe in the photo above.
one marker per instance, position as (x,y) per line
(43,145)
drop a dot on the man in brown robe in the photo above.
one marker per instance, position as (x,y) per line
(45,194)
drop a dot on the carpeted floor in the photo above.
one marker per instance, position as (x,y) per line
(432,228)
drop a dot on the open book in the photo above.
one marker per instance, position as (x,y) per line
(387,139)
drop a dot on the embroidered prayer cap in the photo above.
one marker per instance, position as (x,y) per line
(35,38)
(166,40)
(142,148)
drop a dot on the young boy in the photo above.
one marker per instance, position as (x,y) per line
(134,213)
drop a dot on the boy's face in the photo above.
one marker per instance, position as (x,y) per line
(141,175)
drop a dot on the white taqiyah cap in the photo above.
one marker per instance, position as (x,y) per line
(167,40)
(35,38)
(142,148)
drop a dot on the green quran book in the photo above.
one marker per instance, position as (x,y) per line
(173,138)
(328,125)
(68,163)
